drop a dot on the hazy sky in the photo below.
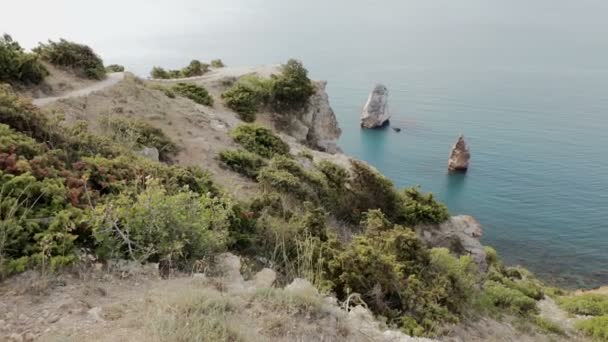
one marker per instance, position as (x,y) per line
(138,32)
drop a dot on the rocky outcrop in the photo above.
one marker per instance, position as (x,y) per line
(460,156)
(316,125)
(460,234)
(149,153)
(375,112)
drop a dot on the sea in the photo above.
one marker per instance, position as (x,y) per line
(526,82)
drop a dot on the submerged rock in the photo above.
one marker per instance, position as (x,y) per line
(397,129)
(460,156)
(375,112)
(460,234)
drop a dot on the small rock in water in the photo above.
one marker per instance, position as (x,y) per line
(396,129)
(459,157)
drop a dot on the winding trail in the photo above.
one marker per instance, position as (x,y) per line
(110,80)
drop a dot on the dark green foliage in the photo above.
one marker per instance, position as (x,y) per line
(260,140)
(595,327)
(585,304)
(195,68)
(285,175)
(159,73)
(115,68)
(243,162)
(292,88)
(247,96)
(507,298)
(78,57)
(399,278)
(18,66)
(217,63)
(140,133)
(194,92)
(422,208)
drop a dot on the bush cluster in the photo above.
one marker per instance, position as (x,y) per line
(195,68)
(259,140)
(138,133)
(217,63)
(585,304)
(290,90)
(78,57)
(55,180)
(595,327)
(243,162)
(247,96)
(166,90)
(115,68)
(18,66)
(194,92)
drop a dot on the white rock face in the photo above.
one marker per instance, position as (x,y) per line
(317,125)
(375,112)
(460,156)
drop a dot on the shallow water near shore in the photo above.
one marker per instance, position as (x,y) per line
(525,82)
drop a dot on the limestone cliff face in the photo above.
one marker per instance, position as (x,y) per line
(460,234)
(316,125)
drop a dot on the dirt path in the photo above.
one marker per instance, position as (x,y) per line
(111,80)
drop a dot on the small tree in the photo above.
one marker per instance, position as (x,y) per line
(292,88)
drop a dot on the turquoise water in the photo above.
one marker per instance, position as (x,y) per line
(525,81)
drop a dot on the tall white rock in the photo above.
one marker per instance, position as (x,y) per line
(375,112)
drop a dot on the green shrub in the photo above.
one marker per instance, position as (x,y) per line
(243,162)
(548,326)
(247,96)
(195,68)
(421,208)
(157,226)
(259,140)
(504,297)
(585,304)
(491,257)
(194,92)
(292,88)
(217,63)
(372,190)
(115,68)
(139,133)
(596,327)
(166,90)
(159,73)
(78,57)
(18,66)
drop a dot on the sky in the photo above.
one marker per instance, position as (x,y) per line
(139,33)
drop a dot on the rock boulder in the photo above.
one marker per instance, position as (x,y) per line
(375,112)
(460,156)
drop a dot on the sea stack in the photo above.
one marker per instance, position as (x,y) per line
(375,112)
(459,157)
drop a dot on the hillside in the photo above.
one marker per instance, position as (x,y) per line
(120,201)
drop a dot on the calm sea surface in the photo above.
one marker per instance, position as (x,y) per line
(525,81)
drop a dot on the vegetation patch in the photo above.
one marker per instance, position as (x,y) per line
(195,68)
(194,92)
(217,63)
(18,66)
(243,162)
(138,133)
(292,88)
(166,90)
(259,140)
(585,304)
(78,57)
(247,96)
(595,327)
(115,68)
